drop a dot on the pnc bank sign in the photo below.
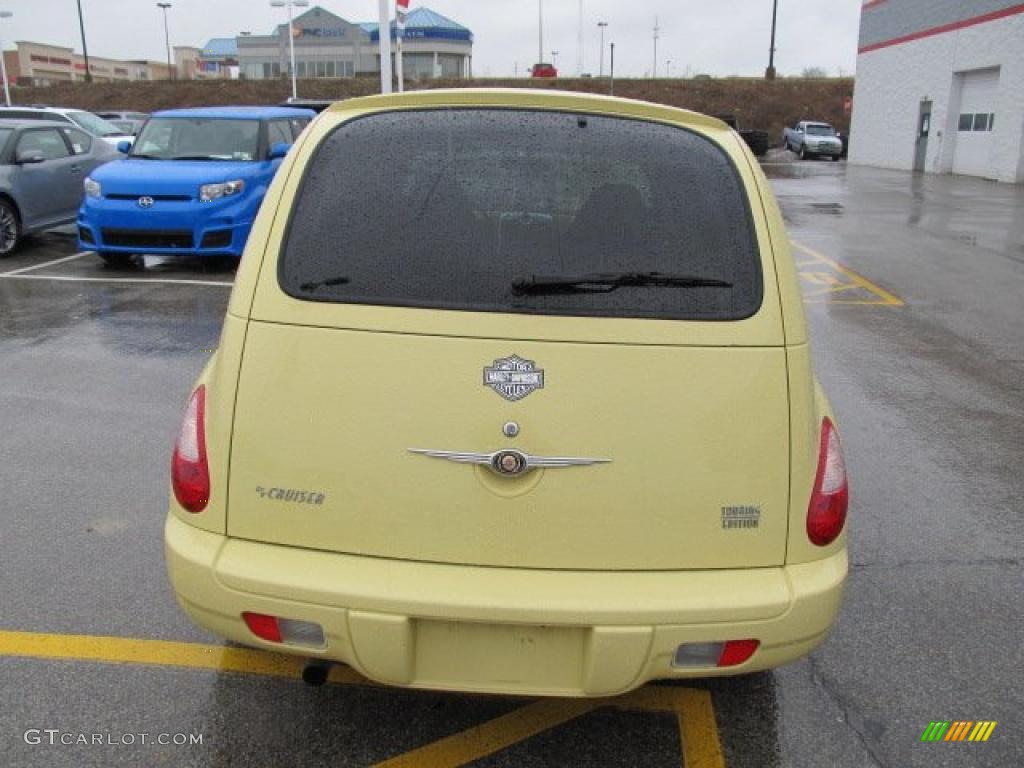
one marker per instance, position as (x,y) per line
(321,32)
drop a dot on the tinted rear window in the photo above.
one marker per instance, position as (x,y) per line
(448,208)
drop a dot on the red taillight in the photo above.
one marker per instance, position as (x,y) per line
(826,514)
(736,652)
(263,626)
(190,473)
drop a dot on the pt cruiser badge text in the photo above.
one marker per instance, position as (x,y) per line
(290,495)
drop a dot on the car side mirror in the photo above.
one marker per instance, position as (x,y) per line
(29,157)
(279,150)
(124,147)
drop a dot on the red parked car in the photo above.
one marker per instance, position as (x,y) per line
(544,70)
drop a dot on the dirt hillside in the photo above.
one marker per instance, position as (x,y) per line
(755,102)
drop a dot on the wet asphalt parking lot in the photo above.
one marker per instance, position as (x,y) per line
(915,294)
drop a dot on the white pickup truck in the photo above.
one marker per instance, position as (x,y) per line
(809,139)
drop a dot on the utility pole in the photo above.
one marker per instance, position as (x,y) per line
(769,74)
(601,25)
(657,29)
(167,39)
(85,49)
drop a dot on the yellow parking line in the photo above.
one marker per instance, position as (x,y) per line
(165,653)
(695,715)
(693,708)
(492,736)
(886,297)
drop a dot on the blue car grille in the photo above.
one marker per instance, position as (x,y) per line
(155,198)
(148,238)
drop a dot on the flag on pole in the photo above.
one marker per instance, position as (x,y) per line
(401,10)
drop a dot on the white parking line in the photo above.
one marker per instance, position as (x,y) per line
(45,264)
(150,280)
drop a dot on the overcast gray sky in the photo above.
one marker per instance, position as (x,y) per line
(720,37)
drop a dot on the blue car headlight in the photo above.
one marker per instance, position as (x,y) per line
(92,188)
(210,192)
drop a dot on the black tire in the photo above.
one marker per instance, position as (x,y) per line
(10,228)
(803,152)
(120,260)
(835,158)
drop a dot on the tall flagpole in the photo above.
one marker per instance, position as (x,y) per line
(401,8)
(540,31)
(385,46)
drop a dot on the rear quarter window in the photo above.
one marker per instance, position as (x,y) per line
(447,209)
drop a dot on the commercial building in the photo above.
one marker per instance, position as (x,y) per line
(41,64)
(327,45)
(940,87)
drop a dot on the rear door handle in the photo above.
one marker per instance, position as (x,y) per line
(76,169)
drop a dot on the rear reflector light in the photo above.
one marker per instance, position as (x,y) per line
(725,654)
(736,652)
(826,513)
(287,631)
(190,472)
(263,626)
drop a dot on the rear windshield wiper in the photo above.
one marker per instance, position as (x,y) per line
(607,282)
(331,281)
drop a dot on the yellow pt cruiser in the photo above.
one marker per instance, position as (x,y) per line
(513,395)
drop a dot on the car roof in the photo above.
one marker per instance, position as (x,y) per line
(530,98)
(237,113)
(15,122)
(40,108)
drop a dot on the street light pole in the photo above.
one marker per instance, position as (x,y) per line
(611,81)
(579,43)
(291,35)
(3,61)
(601,25)
(167,39)
(769,74)
(85,48)
(657,29)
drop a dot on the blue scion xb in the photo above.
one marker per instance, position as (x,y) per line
(191,183)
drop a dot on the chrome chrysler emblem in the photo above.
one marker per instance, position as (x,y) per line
(510,463)
(145,202)
(513,377)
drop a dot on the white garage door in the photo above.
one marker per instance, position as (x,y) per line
(976,122)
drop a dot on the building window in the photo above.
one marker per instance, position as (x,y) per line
(980,121)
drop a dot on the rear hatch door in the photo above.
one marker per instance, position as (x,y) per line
(387,333)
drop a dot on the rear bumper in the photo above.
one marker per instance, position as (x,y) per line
(502,630)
